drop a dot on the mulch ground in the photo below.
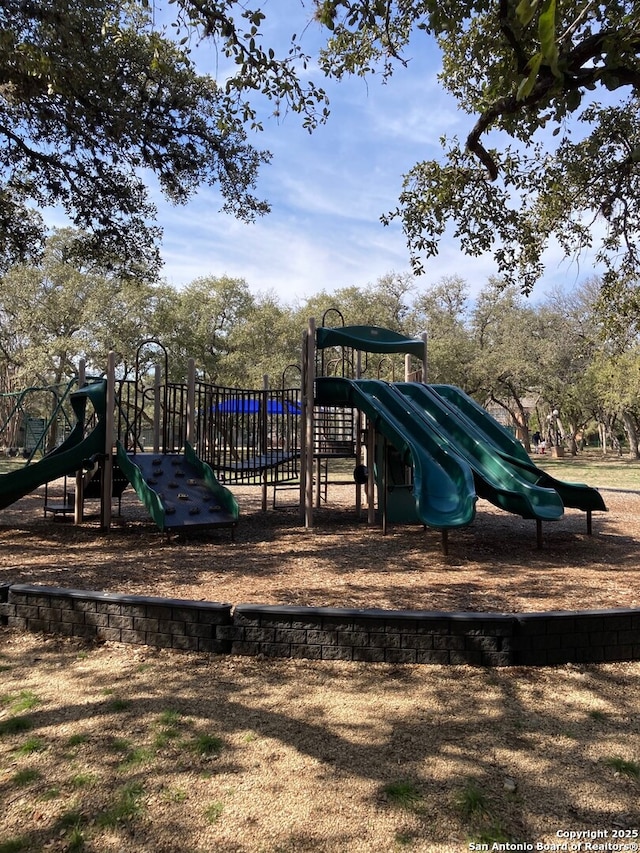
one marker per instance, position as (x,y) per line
(493,565)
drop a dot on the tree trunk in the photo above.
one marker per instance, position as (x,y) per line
(523,423)
(632,434)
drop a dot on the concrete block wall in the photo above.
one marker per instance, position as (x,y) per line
(325,633)
(592,636)
(161,622)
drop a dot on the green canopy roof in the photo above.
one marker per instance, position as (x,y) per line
(368,339)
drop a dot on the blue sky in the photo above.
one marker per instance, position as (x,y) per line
(328,190)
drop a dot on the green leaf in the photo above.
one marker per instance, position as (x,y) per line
(547,34)
(574,99)
(526,86)
(525,11)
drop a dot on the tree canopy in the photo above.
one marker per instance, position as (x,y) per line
(97,95)
(554,150)
(527,358)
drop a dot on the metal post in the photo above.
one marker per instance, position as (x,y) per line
(78,506)
(157,380)
(264,437)
(191,401)
(309,401)
(371,461)
(385,478)
(107,469)
(358,448)
(425,377)
(303,429)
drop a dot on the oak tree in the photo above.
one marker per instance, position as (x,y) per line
(553,148)
(99,97)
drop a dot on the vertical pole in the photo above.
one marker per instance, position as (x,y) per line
(264,436)
(444,534)
(358,439)
(318,482)
(191,401)
(385,478)
(107,469)
(407,367)
(425,377)
(371,461)
(309,400)
(303,428)
(157,379)
(78,505)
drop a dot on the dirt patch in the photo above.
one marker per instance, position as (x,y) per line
(114,748)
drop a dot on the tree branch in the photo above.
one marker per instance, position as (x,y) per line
(511,38)
(575,77)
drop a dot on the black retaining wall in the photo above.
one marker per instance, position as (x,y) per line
(161,622)
(325,633)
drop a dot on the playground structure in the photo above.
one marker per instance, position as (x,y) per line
(163,438)
(430,451)
(79,450)
(421,454)
(104,452)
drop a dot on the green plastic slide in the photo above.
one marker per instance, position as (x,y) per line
(503,484)
(503,443)
(70,456)
(443,485)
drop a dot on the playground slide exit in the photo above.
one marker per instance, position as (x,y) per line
(443,484)
(69,456)
(497,480)
(574,495)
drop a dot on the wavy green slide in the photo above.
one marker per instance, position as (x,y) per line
(458,452)
(69,456)
(179,491)
(504,444)
(443,484)
(497,480)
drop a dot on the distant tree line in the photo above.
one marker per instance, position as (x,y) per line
(528,358)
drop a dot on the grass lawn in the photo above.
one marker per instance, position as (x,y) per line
(591,467)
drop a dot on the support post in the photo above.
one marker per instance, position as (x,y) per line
(107,469)
(303,428)
(191,401)
(425,377)
(371,484)
(78,506)
(157,380)
(264,437)
(385,480)
(358,448)
(309,403)
(444,538)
